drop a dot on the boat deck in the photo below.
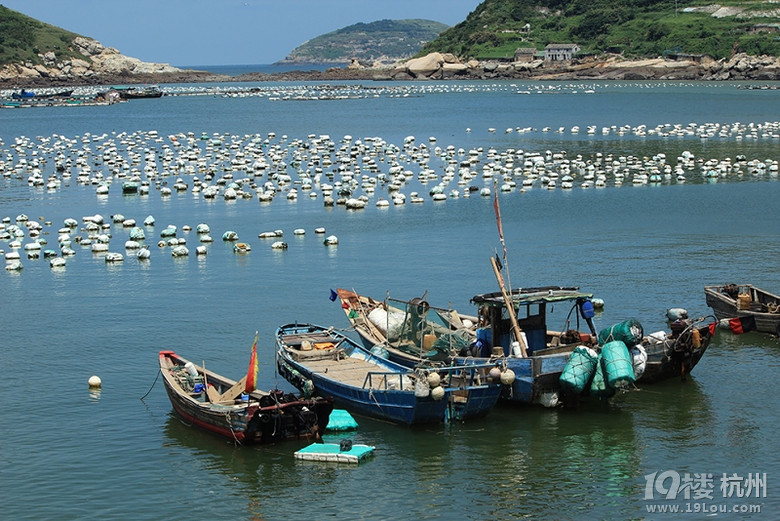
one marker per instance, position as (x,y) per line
(334,363)
(350,371)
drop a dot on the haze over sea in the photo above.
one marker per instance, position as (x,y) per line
(643,247)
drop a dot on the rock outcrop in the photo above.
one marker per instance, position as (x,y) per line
(99,61)
(739,67)
(431,66)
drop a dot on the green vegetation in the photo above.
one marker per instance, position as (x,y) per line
(369,41)
(635,28)
(22,38)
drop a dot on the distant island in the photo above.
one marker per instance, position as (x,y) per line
(382,42)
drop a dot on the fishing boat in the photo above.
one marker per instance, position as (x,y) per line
(325,362)
(745,301)
(148,91)
(217,404)
(23,94)
(675,354)
(412,331)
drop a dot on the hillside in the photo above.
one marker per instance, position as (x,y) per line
(385,40)
(34,52)
(22,39)
(633,28)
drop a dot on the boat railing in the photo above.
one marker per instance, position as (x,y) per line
(452,378)
(388,381)
(464,376)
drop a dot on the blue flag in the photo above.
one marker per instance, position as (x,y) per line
(333,296)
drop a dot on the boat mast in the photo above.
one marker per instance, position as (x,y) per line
(507,294)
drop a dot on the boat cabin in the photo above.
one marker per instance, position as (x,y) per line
(531,306)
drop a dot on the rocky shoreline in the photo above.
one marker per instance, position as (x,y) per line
(121,70)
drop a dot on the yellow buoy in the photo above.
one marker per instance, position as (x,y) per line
(95,382)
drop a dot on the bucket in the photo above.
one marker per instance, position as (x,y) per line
(428,341)
(190,367)
(485,334)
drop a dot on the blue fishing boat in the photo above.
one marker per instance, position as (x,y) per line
(327,363)
(412,331)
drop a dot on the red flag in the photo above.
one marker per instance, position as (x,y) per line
(251,375)
(741,325)
(712,326)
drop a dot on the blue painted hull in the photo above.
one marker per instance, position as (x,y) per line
(534,375)
(393,406)
(461,399)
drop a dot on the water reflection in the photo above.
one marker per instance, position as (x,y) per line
(585,461)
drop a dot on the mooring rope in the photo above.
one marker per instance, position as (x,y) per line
(152,387)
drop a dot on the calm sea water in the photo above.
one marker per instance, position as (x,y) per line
(71,454)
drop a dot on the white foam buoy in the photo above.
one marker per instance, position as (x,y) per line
(95,382)
(507,377)
(437,393)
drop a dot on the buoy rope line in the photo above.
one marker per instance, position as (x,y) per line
(152,387)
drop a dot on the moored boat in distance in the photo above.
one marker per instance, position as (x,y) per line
(148,91)
(220,405)
(325,362)
(730,301)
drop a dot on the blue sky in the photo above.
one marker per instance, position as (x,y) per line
(224,32)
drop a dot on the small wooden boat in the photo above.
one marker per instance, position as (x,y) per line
(745,300)
(217,404)
(323,361)
(675,354)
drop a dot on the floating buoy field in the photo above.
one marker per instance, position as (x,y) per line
(350,174)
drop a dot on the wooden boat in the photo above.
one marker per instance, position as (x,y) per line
(488,337)
(217,404)
(323,361)
(413,331)
(675,354)
(745,300)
